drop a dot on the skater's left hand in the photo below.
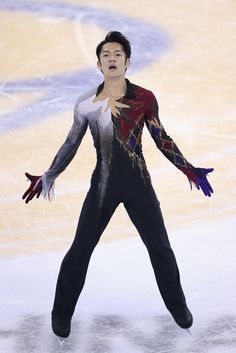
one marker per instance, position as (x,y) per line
(202,182)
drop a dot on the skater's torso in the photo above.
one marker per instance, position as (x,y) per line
(116,126)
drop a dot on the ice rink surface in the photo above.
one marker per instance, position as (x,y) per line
(184,51)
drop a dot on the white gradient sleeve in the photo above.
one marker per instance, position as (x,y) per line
(65,154)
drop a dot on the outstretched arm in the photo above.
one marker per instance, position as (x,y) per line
(197,176)
(44,185)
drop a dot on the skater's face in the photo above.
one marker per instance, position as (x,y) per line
(112,61)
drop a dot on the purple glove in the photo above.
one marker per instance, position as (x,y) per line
(202,182)
(198,177)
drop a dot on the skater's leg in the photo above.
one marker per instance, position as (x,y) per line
(144,211)
(92,223)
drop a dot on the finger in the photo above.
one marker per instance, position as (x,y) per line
(209,187)
(209,170)
(30,196)
(27,192)
(29,176)
(206,189)
(206,192)
(38,188)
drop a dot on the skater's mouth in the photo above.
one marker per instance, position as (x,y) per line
(112,67)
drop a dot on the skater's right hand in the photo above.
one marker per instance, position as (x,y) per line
(34,189)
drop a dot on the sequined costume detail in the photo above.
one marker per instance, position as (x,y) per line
(116,121)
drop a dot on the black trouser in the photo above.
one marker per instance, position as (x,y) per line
(143,208)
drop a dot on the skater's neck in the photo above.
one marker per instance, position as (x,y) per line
(115,87)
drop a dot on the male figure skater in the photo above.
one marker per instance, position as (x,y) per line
(116,112)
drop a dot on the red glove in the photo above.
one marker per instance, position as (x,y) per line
(34,189)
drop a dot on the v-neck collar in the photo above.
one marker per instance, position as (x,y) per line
(129,91)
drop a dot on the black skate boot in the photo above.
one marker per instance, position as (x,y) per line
(182,316)
(61,327)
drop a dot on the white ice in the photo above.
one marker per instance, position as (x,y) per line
(120,309)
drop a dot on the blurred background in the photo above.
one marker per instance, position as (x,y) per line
(184,51)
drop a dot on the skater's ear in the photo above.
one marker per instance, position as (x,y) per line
(99,65)
(127,63)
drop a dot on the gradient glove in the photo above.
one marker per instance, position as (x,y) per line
(198,176)
(34,189)
(202,182)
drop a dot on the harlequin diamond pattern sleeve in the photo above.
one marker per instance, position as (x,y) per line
(164,142)
(66,152)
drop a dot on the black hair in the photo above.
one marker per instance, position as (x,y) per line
(116,37)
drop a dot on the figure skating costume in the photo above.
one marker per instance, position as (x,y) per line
(120,176)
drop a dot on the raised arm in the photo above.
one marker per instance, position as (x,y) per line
(167,146)
(44,185)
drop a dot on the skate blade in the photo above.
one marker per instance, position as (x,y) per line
(61,340)
(189,332)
